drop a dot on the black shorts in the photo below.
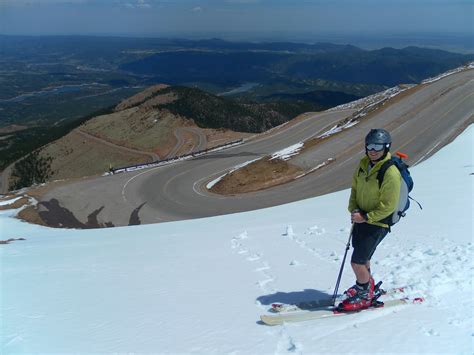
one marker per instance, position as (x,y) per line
(365,238)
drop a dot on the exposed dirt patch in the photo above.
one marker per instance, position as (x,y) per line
(256,176)
(146,131)
(75,156)
(152,155)
(17,204)
(7,197)
(30,214)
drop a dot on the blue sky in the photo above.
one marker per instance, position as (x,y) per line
(251,17)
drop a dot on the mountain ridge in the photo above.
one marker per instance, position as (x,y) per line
(156,122)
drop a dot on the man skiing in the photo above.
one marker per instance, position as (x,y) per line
(369,205)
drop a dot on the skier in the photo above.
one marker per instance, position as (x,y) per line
(369,205)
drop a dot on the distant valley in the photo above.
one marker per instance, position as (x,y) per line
(53,85)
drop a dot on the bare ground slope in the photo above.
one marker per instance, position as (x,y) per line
(139,130)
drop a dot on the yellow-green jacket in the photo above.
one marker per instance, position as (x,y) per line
(366,195)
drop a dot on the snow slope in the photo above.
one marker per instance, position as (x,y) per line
(199,286)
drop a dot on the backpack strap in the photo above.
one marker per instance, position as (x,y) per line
(419,204)
(383,169)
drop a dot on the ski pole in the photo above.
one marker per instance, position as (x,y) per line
(334,296)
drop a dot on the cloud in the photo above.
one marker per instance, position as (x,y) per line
(132,4)
(143,4)
(137,4)
(197,9)
(242,1)
(43,2)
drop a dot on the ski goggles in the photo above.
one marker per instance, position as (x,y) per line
(374,146)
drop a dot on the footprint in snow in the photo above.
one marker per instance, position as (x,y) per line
(235,244)
(263,268)
(335,256)
(243,235)
(250,255)
(430,332)
(289,232)
(263,283)
(455,322)
(286,344)
(315,230)
(254,257)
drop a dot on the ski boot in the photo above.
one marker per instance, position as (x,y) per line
(358,298)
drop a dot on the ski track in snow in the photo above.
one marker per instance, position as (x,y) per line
(288,335)
(262,267)
(310,241)
(290,344)
(285,343)
(307,239)
(430,271)
(450,268)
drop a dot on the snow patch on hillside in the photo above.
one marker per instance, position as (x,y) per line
(449,72)
(337,129)
(372,100)
(288,152)
(10,201)
(283,154)
(237,167)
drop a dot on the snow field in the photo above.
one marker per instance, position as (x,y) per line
(199,286)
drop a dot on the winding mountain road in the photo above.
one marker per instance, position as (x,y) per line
(200,141)
(421,123)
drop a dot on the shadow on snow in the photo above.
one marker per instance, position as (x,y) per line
(296,297)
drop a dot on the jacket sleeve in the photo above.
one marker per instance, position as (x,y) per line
(353,198)
(389,195)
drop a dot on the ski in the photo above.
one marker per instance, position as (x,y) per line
(302,306)
(330,311)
